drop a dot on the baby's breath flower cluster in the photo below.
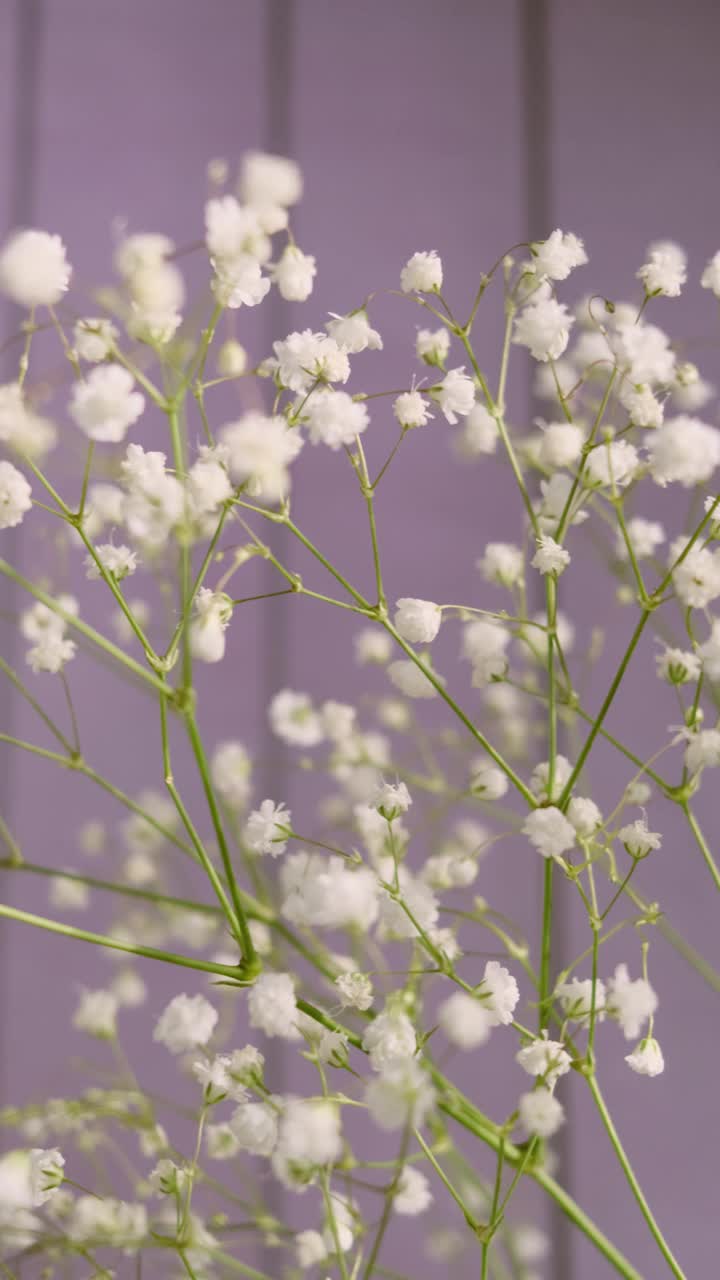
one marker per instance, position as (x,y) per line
(350,930)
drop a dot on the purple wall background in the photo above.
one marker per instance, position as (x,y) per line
(417,125)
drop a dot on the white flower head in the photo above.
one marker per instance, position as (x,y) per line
(411,410)
(266,828)
(46,1174)
(294,274)
(455,394)
(632,1002)
(208,624)
(418,621)
(546,1059)
(106,404)
(34,270)
(15,496)
(665,270)
(544,328)
(187,1022)
(549,831)
(556,257)
(95,1014)
(647,1059)
(638,840)
(423,273)
(272,1006)
(550,556)
(354,332)
(541,1114)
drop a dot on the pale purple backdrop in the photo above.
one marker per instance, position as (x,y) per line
(463,126)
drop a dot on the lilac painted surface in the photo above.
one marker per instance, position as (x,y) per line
(407,120)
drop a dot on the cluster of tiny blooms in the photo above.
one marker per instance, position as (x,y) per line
(337,906)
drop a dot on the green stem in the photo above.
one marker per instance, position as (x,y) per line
(702,844)
(632,1180)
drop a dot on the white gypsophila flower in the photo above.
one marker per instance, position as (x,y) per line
(208,487)
(234,235)
(423,273)
(294,719)
(230,770)
(418,897)
(432,346)
(697,578)
(540,778)
(94,338)
(703,750)
(556,257)
(455,394)
(389,1037)
(106,404)
(220,1142)
(710,278)
(20,427)
(632,1002)
(267,179)
(665,270)
(129,989)
(246,1066)
(239,282)
(46,1174)
(450,870)
(272,1006)
(561,444)
(411,410)
(584,815)
(412,1193)
(614,463)
(644,409)
(480,433)
(254,1126)
(549,831)
(187,1022)
(543,326)
(15,496)
(499,991)
(155,500)
(309,1138)
(309,1249)
(546,1059)
(266,828)
(678,666)
(550,557)
(540,1113)
(391,799)
(685,451)
(338,720)
(576,998)
(69,895)
(410,679)
(117,562)
(307,357)
(294,274)
(709,653)
(354,332)
(466,1022)
(105,1221)
(487,780)
(232,359)
(647,1059)
(638,841)
(502,562)
(334,418)
(690,391)
(168,1178)
(216,1080)
(34,270)
(321,892)
(418,621)
(260,450)
(643,352)
(373,645)
(555,496)
(209,622)
(355,990)
(104,505)
(645,538)
(144,249)
(484,644)
(400,1096)
(51,653)
(95,1014)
